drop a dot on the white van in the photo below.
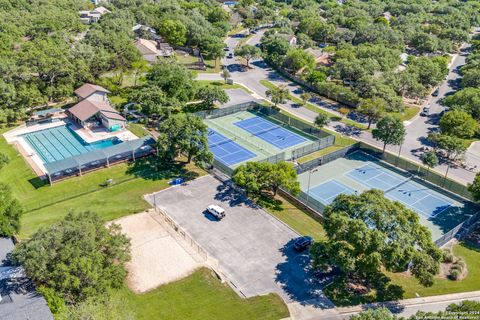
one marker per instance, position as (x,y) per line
(216,211)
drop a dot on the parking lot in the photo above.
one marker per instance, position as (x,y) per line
(254,249)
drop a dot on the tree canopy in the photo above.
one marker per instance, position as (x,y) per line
(78,256)
(184,134)
(368,232)
(390,130)
(259,177)
(10,212)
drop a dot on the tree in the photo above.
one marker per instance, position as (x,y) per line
(389,130)
(78,256)
(10,212)
(259,177)
(467,100)
(213,47)
(316,76)
(150,99)
(459,124)
(298,59)
(429,159)
(375,314)
(367,233)
(174,31)
(278,94)
(471,78)
(139,67)
(372,109)
(210,94)
(225,74)
(173,79)
(474,188)
(284,175)
(184,134)
(247,52)
(453,146)
(321,120)
(305,96)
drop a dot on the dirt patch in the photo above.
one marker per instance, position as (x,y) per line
(157,257)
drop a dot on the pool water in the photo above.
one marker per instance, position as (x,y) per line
(62,142)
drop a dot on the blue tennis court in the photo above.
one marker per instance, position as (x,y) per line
(375,177)
(419,198)
(226,150)
(328,191)
(413,195)
(270,132)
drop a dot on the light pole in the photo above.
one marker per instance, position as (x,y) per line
(308,187)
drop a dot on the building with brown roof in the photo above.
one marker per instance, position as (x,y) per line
(94,109)
(152,49)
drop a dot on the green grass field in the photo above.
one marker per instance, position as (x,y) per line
(298,219)
(46,204)
(223,85)
(201,296)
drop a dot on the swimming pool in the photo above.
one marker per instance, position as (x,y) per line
(61,142)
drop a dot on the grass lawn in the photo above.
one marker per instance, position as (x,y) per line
(407,286)
(316,109)
(46,204)
(408,113)
(201,296)
(299,220)
(223,85)
(138,130)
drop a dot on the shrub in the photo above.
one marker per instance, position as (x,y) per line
(447,256)
(454,274)
(54,300)
(4,160)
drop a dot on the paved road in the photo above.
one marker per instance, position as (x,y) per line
(417,129)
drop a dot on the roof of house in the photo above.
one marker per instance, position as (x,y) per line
(20,300)
(86,109)
(101,10)
(87,89)
(146,46)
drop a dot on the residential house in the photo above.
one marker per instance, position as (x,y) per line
(19,299)
(92,16)
(151,50)
(291,38)
(94,109)
(321,58)
(145,32)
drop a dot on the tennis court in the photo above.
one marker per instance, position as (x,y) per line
(413,195)
(270,132)
(328,191)
(233,145)
(226,150)
(358,172)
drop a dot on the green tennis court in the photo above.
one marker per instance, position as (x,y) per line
(358,172)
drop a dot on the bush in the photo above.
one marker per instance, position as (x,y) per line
(447,256)
(4,160)
(454,274)
(54,300)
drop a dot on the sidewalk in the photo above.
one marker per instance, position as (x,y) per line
(409,307)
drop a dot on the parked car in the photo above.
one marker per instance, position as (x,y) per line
(436,93)
(302,243)
(216,211)
(226,49)
(230,55)
(253,32)
(424,112)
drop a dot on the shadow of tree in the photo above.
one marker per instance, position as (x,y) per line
(154,168)
(300,281)
(226,192)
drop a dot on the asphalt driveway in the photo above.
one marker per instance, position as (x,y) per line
(253,248)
